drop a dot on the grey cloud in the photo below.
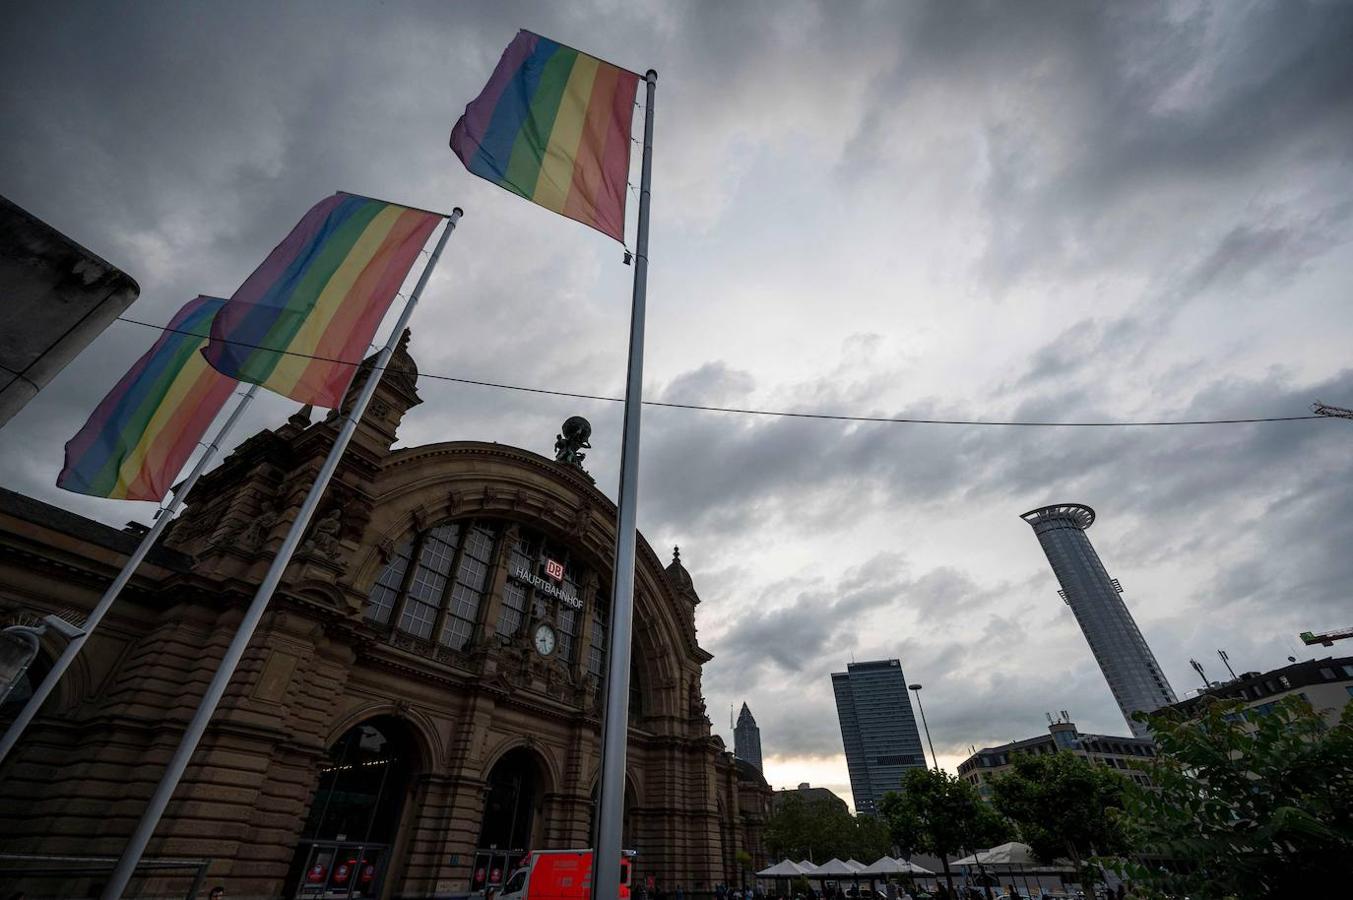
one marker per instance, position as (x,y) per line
(1133,163)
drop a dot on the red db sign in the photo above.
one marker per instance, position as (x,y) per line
(554,570)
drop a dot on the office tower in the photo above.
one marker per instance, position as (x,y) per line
(747,739)
(1134,676)
(877,728)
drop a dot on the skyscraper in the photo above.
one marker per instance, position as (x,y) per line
(1134,676)
(877,728)
(747,739)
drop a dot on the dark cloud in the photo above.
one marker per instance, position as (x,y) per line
(958,210)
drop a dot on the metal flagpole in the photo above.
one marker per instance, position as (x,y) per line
(162,521)
(145,828)
(615,724)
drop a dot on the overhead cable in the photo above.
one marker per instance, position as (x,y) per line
(783,414)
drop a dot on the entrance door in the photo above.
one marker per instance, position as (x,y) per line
(345,846)
(334,870)
(494,867)
(512,817)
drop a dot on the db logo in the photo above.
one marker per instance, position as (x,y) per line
(554,569)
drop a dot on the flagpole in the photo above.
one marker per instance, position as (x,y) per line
(129,568)
(145,828)
(615,724)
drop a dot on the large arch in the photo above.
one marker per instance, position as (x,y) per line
(420,486)
(353,834)
(513,821)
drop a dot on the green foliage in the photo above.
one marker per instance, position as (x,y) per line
(941,815)
(1245,805)
(820,830)
(1060,805)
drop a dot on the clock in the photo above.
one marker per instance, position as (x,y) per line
(544,640)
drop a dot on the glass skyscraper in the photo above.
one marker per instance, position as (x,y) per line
(747,739)
(877,728)
(1134,676)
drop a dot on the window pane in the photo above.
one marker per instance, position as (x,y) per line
(468,591)
(386,590)
(514,609)
(418,618)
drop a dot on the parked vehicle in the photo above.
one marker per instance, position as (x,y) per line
(559,875)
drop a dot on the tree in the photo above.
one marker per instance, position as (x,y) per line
(1060,805)
(1245,804)
(744,861)
(820,830)
(941,815)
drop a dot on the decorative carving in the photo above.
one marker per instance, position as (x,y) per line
(301,417)
(452,503)
(261,526)
(582,520)
(324,535)
(386,550)
(489,495)
(572,439)
(420,518)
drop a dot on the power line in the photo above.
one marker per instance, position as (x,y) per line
(773,413)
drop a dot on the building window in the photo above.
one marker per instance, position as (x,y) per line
(596,652)
(467,593)
(389,584)
(441,576)
(514,593)
(529,560)
(427,588)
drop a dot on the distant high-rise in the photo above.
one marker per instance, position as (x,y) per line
(747,739)
(877,728)
(1134,676)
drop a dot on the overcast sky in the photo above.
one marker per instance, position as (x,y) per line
(1064,211)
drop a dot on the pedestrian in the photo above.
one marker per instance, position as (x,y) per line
(680,893)
(216,893)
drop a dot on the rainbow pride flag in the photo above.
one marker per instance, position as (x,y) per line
(553,125)
(301,323)
(137,440)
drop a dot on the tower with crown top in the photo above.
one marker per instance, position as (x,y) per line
(747,739)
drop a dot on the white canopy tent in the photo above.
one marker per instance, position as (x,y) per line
(785,868)
(835,868)
(1013,860)
(1010,854)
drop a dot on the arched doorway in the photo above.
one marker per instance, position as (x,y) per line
(354,817)
(512,823)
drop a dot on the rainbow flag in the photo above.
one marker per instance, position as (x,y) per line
(553,125)
(303,321)
(139,437)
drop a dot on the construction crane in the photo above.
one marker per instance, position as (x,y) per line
(1334,412)
(1326,638)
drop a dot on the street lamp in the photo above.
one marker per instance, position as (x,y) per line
(917,689)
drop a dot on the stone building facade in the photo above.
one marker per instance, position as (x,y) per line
(421,703)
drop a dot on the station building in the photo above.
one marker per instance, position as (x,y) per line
(421,704)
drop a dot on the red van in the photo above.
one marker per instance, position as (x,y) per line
(559,875)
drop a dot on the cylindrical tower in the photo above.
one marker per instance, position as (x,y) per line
(1134,676)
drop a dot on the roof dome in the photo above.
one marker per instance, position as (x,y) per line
(680,578)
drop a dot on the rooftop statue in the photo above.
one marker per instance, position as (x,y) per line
(568,445)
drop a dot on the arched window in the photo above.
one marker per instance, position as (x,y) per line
(436,581)
(546,582)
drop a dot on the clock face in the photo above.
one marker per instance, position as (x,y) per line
(545,640)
